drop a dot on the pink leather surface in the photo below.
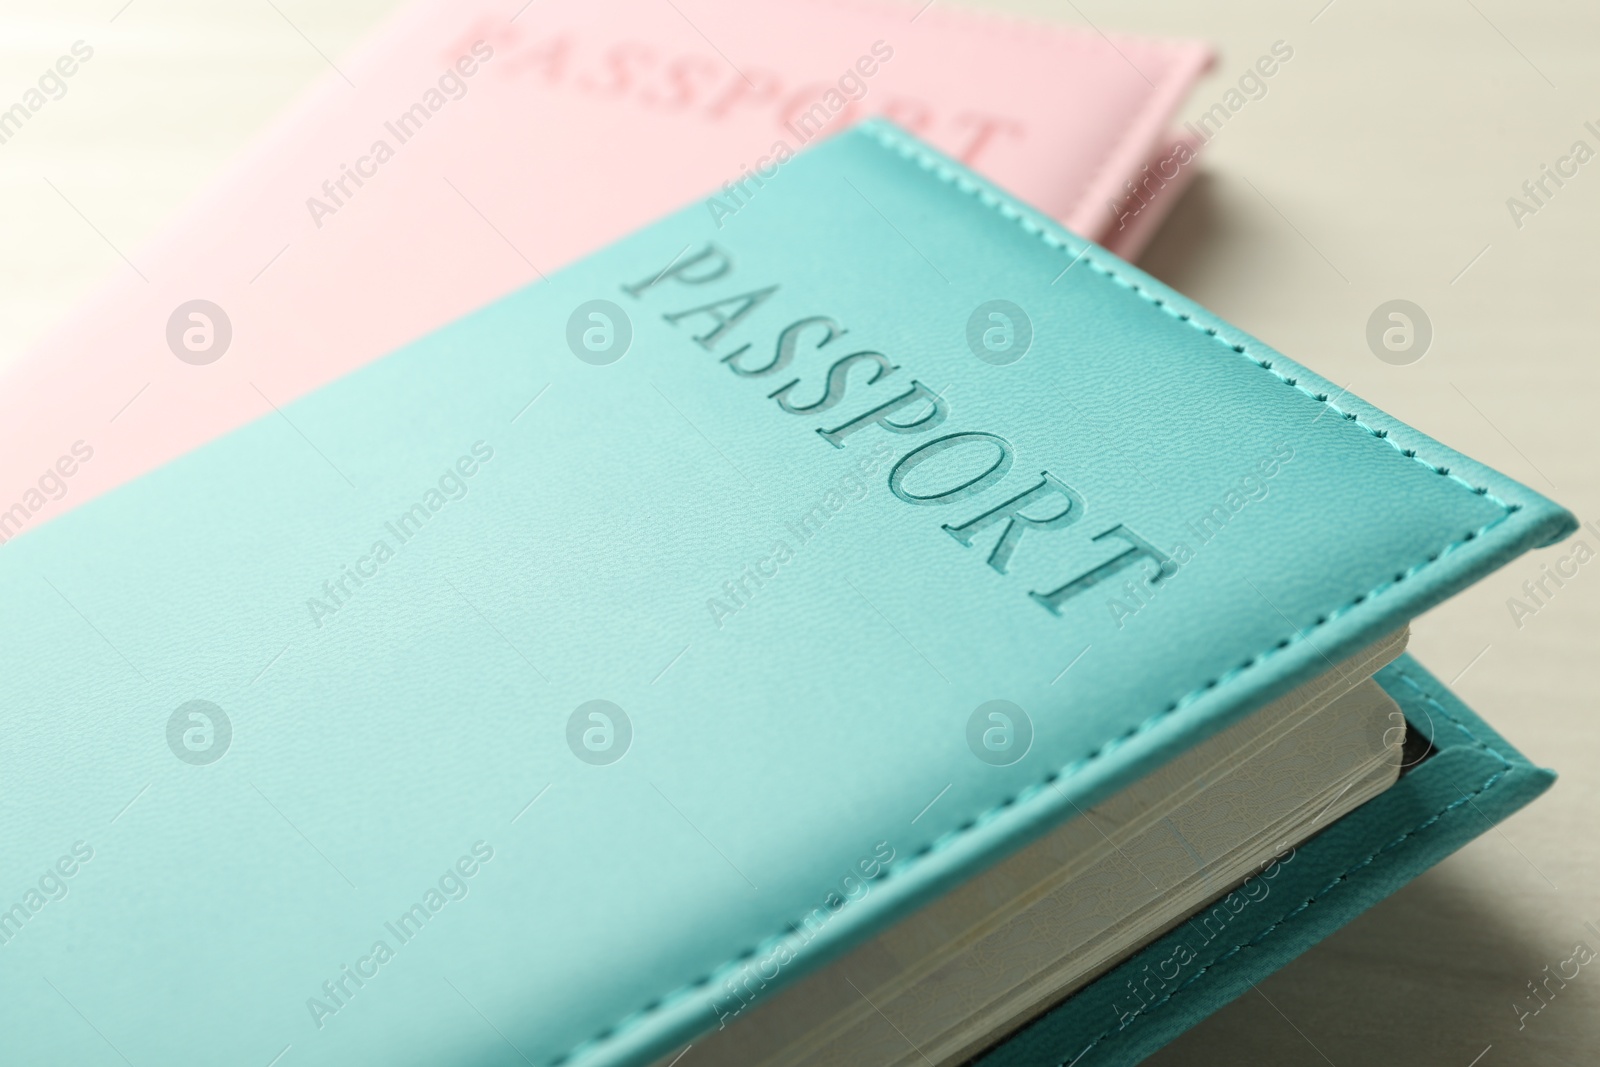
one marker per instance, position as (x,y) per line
(1156,188)
(589,118)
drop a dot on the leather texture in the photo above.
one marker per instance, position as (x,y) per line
(561,530)
(386,205)
(1472,780)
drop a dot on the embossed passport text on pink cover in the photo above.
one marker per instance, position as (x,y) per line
(471,147)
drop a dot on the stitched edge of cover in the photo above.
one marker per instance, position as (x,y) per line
(1506,767)
(942,170)
(927,161)
(999,24)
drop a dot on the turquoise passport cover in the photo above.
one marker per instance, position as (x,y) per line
(515,699)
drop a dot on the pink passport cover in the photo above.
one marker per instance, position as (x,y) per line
(517,137)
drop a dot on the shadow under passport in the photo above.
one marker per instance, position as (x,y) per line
(1187,241)
(1434,974)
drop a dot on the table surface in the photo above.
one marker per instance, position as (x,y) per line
(1377,166)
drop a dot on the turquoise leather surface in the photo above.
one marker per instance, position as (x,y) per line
(798,643)
(1473,779)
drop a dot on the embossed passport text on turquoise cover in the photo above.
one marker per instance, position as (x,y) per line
(513,700)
